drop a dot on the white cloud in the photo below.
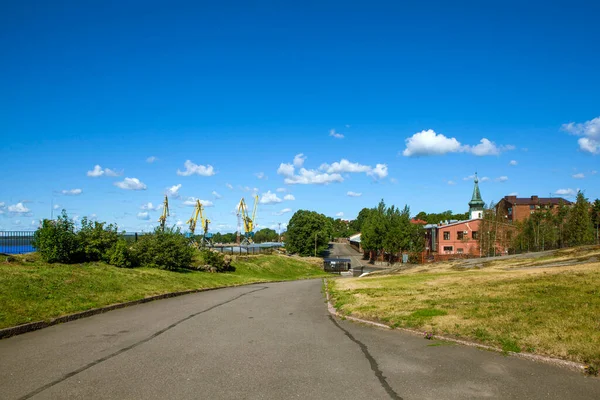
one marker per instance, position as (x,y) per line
(2,204)
(579,176)
(72,192)
(191,201)
(143,215)
(347,125)
(469,178)
(173,191)
(112,172)
(131,184)
(56,206)
(18,208)
(217,195)
(501,178)
(589,145)
(286,169)
(340,214)
(484,179)
(336,135)
(428,142)
(34,223)
(591,132)
(513,194)
(269,198)
(280,190)
(151,159)
(260,175)
(179,223)
(513,162)
(353,194)
(299,160)
(566,192)
(229,186)
(284,211)
(289,197)
(594,172)
(451,183)
(345,166)
(191,169)
(98,171)
(149,207)
(308,177)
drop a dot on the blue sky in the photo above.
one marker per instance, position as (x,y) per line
(382,99)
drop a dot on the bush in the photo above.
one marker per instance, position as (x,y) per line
(121,256)
(56,240)
(168,250)
(96,240)
(215,261)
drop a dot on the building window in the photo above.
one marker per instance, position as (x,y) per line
(509,210)
(532,207)
(474,235)
(446,235)
(478,215)
(447,249)
(459,251)
(461,235)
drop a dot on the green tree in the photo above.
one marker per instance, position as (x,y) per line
(375,230)
(363,215)
(266,235)
(168,249)
(304,230)
(96,239)
(595,217)
(56,240)
(579,223)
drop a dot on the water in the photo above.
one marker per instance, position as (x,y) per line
(16,249)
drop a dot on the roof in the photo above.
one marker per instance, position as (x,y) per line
(451,224)
(418,221)
(355,238)
(539,200)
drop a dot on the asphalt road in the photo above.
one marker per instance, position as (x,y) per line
(268,341)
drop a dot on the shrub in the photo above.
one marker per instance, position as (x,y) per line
(121,256)
(56,240)
(215,261)
(168,249)
(97,240)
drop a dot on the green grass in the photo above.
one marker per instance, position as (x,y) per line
(550,311)
(31,290)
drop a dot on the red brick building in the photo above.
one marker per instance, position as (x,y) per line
(520,208)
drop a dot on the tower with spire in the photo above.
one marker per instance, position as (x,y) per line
(476,204)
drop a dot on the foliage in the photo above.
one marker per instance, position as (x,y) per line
(168,249)
(308,232)
(341,228)
(579,223)
(215,261)
(120,255)
(358,223)
(96,239)
(224,238)
(436,218)
(56,240)
(266,235)
(389,230)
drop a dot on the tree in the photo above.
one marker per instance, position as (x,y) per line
(56,240)
(266,235)
(579,223)
(305,229)
(363,215)
(374,230)
(595,217)
(96,239)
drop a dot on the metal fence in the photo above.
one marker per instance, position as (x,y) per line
(16,242)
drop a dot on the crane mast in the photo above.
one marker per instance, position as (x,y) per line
(203,223)
(247,221)
(165,213)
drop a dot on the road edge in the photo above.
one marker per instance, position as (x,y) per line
(528,356)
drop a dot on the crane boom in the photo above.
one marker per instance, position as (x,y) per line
(165,213)
(194,218)
(246,219)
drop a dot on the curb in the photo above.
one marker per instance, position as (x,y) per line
(34,326)
(528,356)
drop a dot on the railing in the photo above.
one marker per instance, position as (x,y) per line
(16,242)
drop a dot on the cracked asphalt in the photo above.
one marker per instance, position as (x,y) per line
(267,341)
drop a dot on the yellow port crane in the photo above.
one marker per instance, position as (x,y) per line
(248,222)
(204,222)
(165,213)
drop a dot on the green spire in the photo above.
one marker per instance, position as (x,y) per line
(476,203)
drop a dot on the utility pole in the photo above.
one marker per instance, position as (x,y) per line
(279,232)
(316,243)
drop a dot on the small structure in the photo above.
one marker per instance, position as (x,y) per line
(354,241)
(520,208)
(336,265)
(476,204)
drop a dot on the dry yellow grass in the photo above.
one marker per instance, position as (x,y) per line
(548,305)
